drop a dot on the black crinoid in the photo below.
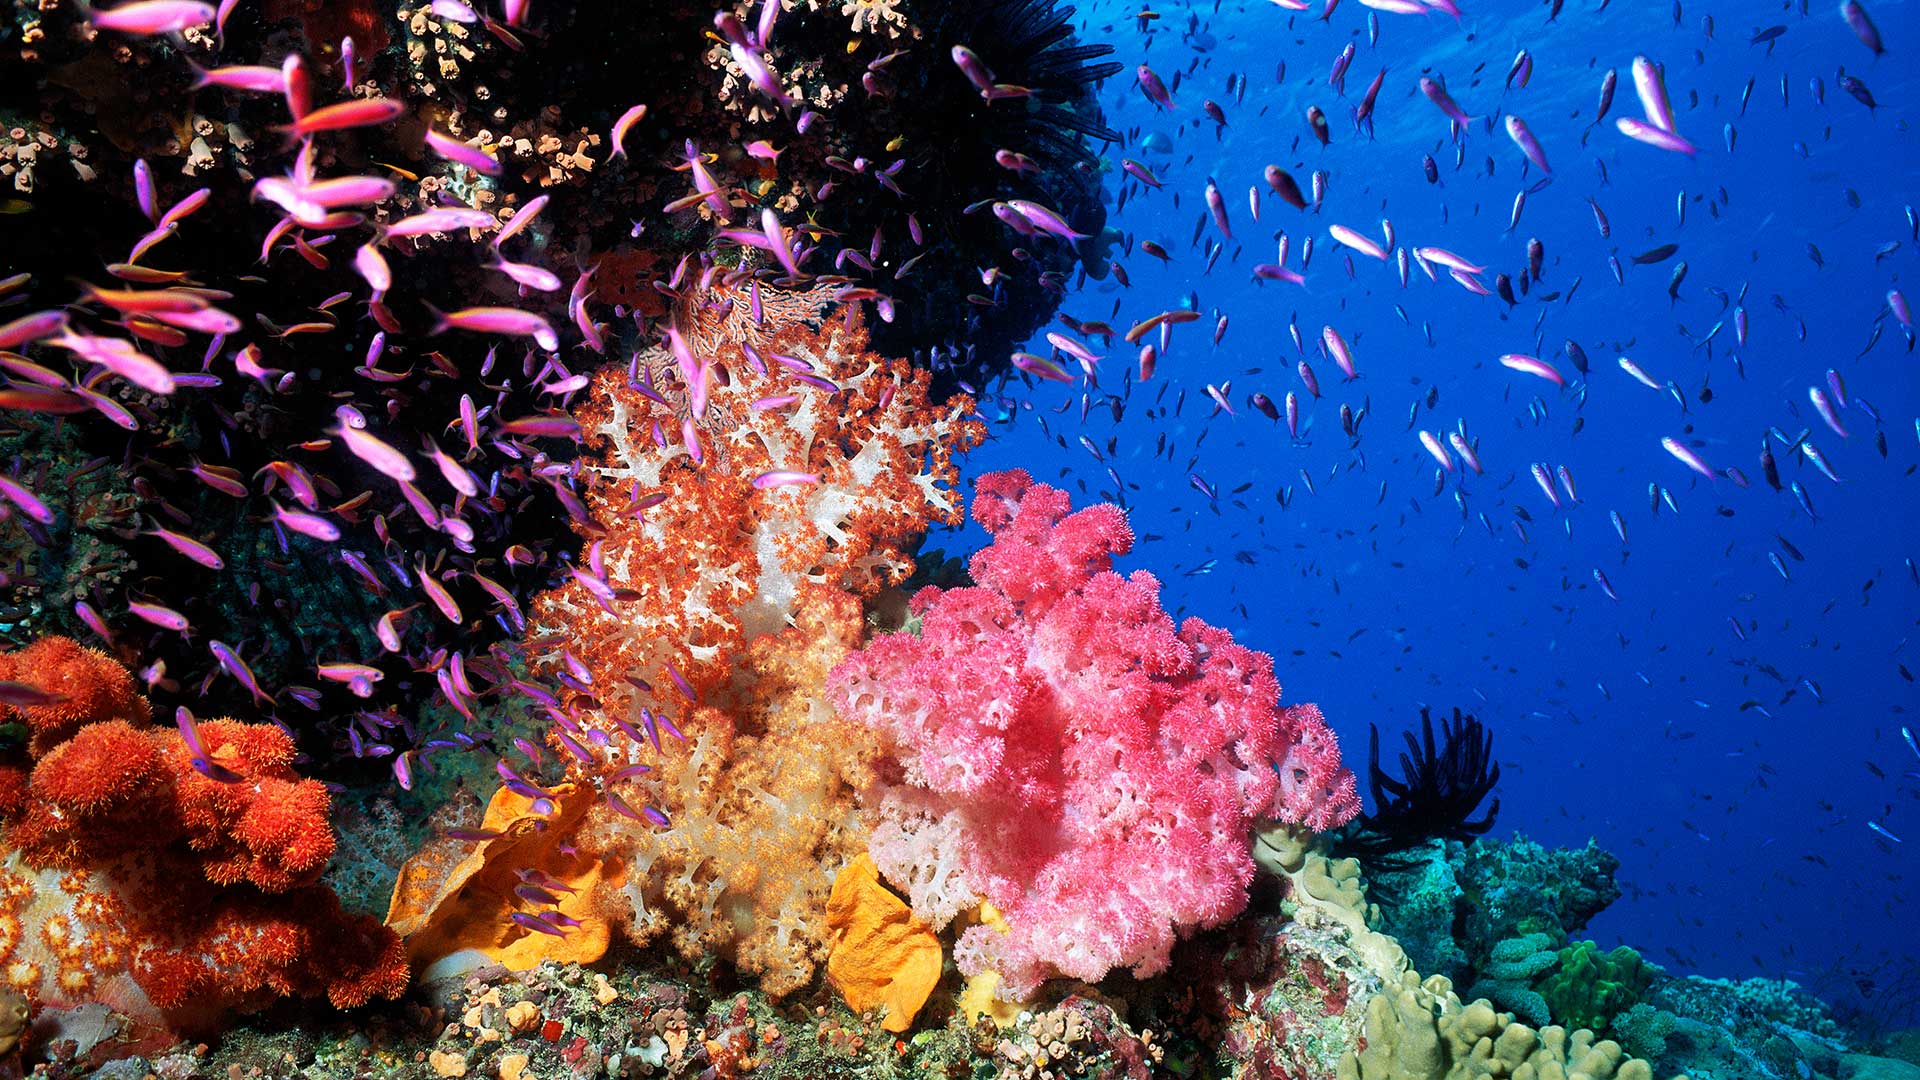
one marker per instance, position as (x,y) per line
(948,318)
(1441,784)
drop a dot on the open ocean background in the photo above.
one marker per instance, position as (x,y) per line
(1735,779)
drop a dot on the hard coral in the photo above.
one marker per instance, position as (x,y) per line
(130,877)
(1064,752)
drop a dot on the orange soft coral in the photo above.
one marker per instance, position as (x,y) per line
(703,560)
(761,799)
(456,894)
(126,876)
(89,684)
(719,604)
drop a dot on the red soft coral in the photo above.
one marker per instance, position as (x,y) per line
(1064,751)
(127,876)
(88,687)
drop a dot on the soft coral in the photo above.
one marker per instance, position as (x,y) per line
(1062,750)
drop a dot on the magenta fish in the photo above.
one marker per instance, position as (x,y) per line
(1437,93)
(1687,457)
(1533,365)
(154,16)
(1522,136)
(1155,90)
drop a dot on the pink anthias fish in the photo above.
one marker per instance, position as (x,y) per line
(623,125)
(30,328)
(1139,172)
(1466,451)
(752,61)
(1075,349)
(360,112)
(521,219)
(459,152)
(1640,374)
(372,268)
(1436,92)
(441,220)
(27,502)
(538,278)
(1358,242)
(1653,136)
(1687,457)
(1544,479)
(1276,272)
(1824,405)
(121,358)
(1438,451)
(1336,347)
(158,615)
(154,16)
(251,78)
(1523,137)
(1044,219)
(189,547)
(1532,365)
(784,478)
(372,449)
(510,322)
(1041,366)
(1658,129)
(975,70)
(1217,206)
(1155,90)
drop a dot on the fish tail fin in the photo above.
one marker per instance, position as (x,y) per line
(440,323)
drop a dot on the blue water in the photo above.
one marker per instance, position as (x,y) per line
(1743,832)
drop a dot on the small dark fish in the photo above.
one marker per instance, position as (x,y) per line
(1577,355)
(1318,120)
(1771,33)
(1656,255)
(1857,89)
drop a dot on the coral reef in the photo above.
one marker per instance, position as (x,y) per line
(734,654)
(1589,987)
(1422,1031)
(173,879)
(1508,976)
(248,431)
(1063,751)
(1453,903)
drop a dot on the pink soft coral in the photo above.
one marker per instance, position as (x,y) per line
(1064,752)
